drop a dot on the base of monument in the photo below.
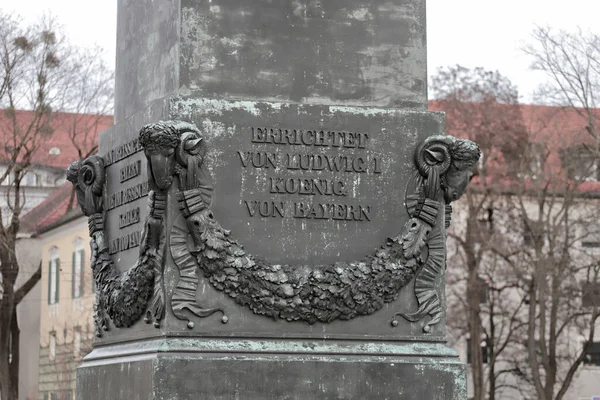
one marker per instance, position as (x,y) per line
(268,370)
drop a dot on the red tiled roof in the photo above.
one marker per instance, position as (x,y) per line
(557,128)
(54,207)
(562,126)
(49,211)
(88,126)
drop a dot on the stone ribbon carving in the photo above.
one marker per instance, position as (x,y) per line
(311,293)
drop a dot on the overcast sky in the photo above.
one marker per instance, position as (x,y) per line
(471,33)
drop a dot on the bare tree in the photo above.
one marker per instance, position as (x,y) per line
(571,62)
(551,214)
(565,213)
(515,277)
(42,73)
(483,106)
(87,96)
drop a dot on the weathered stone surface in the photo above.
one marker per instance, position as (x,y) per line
(297,130)
(127,183)
(272,370)
(388,135)
(334,52)
(277,197)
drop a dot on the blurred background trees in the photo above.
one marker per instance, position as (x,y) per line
(58,84)
(524,251)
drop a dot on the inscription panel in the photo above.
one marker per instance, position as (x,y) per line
(125,195)
(330,196)
(302,184)
(320,184)
(129,217)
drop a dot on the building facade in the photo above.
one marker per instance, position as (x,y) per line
(66,307)
(41,188)
(37,184)
(504,301)
(523,273)
(28,310)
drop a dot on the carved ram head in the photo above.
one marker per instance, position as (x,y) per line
(171,148)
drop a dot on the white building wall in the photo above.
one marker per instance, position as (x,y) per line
(586,383)
(28,313)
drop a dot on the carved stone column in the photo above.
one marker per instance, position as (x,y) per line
(268,214)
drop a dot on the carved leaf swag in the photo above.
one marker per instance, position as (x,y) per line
(121,296)
(312,293)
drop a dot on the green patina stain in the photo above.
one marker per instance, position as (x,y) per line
(188,106)
(197,345)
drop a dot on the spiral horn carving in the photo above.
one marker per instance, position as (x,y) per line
(91,174)
(88,177)
(188,132)
(434,152)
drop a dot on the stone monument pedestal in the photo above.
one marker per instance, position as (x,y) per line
(271,370)
(268,214)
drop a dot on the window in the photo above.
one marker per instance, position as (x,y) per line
(10,347)
(591,244)
(483,291)
(592,356)
(590,294)
(2,172)
(533,232)
(537,157)
(580,163)
(591,240)
(485,220)
(10,178)
(77,276)
(77,341)
(53,277)
(526,286)
(52,346)
(484,351)
(31,179)
(59,181)
(48,179)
